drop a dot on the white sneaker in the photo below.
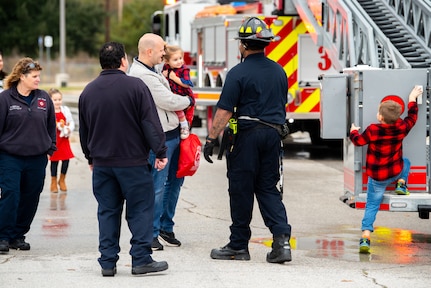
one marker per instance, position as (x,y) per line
(184,132)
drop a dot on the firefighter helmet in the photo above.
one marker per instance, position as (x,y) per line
(255,29)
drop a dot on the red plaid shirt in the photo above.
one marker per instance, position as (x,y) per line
(184,74)
(385,145)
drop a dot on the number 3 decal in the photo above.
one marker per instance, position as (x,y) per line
(325,64)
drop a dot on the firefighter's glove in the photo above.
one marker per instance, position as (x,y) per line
(208,148)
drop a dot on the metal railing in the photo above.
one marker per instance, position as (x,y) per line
(416,15)
(351,38)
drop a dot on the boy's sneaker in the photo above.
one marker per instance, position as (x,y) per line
(364,245)
(156,246)
(401,189)
(169,238)
(184,132)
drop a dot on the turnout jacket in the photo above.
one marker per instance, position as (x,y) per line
(118,122)
(27,130)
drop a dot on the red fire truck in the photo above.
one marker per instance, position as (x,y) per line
(205,30)
(315,36)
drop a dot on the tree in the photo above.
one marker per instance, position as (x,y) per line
(24,21)
(84,27)
(135,22)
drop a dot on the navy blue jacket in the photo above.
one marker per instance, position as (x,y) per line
(258,88)
(118,121)
(27,130)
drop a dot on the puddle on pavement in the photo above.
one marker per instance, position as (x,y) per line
(388,245)
(56,223)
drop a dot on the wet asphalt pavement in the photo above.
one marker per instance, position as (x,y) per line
(64,236)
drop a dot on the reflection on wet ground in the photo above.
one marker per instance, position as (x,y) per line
(388,245)
(298,146)
(56,221)
(313,152)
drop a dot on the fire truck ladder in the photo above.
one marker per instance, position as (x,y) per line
(407,24)
(379,33)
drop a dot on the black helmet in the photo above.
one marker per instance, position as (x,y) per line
(255,29)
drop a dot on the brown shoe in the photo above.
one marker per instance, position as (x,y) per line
(62,182)
(54,187)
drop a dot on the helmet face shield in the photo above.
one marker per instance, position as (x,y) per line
(255,29)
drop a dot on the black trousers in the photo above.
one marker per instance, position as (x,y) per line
(112,186)
(21,181)
(253,170)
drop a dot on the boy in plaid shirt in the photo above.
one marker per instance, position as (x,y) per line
(384,162)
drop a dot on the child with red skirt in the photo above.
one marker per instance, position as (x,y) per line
(65,126)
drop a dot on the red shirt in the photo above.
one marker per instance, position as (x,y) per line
(385,145)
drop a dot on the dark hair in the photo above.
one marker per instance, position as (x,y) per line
(110,55)
(254,45)
(3,74)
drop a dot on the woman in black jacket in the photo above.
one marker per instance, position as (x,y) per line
(27,137)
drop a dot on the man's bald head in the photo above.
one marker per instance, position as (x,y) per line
(151,49)
(149,41)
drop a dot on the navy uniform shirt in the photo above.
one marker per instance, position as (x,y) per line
(258,88)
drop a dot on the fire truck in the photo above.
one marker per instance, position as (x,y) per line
(206,29)
(341,57)
(383,49)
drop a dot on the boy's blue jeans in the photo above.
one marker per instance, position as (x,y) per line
(375,191)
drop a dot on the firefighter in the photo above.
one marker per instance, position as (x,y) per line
(254,96)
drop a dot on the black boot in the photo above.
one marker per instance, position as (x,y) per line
(280,250)
(227,253)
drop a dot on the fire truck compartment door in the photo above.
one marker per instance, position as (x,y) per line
(380,85)
(333,106)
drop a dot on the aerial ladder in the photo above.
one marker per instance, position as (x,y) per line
(391,34)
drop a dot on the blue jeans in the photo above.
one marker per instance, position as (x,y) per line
(375,191)
(167,188)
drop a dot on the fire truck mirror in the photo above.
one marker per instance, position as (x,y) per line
(290,98)
(156,22)
(277,22)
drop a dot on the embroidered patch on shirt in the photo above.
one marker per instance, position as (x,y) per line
(14,107)
(41,103)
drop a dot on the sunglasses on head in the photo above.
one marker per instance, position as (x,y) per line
(30,66)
